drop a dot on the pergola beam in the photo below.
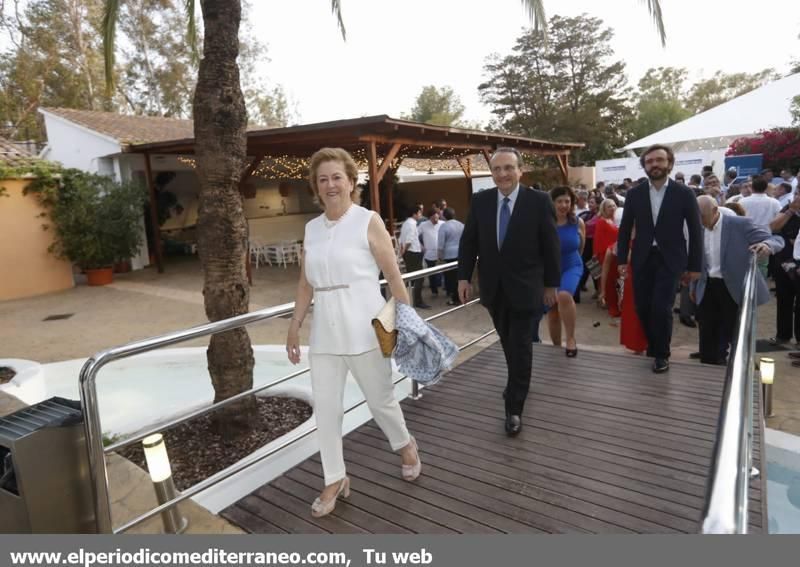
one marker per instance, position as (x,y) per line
(466,167)
(248,173)
(488,157)
(387,160)
(564,167)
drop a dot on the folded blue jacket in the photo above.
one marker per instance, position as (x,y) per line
(423,352)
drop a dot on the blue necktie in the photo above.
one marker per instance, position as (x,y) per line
(505,215)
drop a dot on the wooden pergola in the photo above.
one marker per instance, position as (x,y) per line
(380,142)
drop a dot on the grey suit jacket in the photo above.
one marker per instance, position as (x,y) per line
(738,234)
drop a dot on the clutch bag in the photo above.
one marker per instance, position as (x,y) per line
(594,267)
(384,325)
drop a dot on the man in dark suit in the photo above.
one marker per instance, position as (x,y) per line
(658,210)
(512,229)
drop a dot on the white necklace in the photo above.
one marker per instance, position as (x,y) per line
(331,223)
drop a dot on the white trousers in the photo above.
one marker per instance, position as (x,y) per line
(373,373)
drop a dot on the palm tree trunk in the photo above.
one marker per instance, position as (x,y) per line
(220,121)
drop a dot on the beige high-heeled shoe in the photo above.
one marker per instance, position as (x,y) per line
(411,472)
(324,507)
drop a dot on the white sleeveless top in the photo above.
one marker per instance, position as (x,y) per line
(340,267)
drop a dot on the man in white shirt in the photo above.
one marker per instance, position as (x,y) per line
(762,209)
(411,250)
(582,204)
(429,235)
(728,243)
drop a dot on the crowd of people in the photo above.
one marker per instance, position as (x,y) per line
(769,203)
(645,246)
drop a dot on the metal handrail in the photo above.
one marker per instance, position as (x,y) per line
(284,309)
(88,391)
(726,505)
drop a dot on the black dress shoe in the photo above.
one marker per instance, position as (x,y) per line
(660,365)
(694,355)
(513,424)
(422,306)
(688,321)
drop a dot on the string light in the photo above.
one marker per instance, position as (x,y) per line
(293,167)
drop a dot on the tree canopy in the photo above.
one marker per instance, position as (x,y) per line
(568,88)
(54,57)
(665,96)
(439,106)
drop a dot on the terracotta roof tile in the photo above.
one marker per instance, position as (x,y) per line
(477,162)
(128,129)
(11,155)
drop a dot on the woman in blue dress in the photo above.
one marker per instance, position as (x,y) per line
(572,235)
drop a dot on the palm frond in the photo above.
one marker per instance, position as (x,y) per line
(110,15)
(535,9)
(654,7)
(336,8)
(191,29)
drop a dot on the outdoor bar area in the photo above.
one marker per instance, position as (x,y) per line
(278,200)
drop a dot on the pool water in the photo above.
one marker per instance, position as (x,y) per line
(143,390)
(783,482)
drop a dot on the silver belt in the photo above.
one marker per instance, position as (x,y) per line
(332,287)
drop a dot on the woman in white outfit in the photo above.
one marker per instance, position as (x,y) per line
(345,249)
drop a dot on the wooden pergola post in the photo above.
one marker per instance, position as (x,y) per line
(386,172)
(372,158)
(151,189)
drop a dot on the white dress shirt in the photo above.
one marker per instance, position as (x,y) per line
(713,248)
(656,198)
(761,208)
(429,234)
(410,235)
(512,198)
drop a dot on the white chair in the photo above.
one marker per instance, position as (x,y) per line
(273,254)
(256,250)
(291,250)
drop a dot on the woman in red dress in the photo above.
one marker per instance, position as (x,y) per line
(605,236)
(631,334)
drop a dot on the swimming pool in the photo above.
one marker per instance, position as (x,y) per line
(783,482)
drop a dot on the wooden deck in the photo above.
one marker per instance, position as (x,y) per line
(607,447)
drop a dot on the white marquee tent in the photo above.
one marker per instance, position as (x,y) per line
(761,109)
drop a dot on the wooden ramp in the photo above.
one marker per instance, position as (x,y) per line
(607,447)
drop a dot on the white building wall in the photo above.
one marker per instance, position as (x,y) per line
(78,147)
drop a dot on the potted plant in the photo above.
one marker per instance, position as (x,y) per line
(96,221)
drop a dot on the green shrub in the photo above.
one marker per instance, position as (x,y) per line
(95,220)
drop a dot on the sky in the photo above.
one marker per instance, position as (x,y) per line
(395,48)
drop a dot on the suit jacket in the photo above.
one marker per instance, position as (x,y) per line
(679,206)
(738,234)
(530,258)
